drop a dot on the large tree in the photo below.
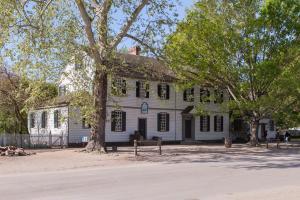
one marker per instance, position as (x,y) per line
(17,96)
(50,33)
(250,48)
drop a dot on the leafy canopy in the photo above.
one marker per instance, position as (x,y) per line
(250,48)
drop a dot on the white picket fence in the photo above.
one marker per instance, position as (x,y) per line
(34,141)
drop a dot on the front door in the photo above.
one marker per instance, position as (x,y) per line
(142,127)
(188,128)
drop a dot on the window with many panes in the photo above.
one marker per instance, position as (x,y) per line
(62,90)
(163,91)
(57,118)
(188,95)
(204,95)
(118,121)
(44,119)
(205,123)
(142,89)
(219,96)
(163,121)
(85,124)
(219,124)
(118,86)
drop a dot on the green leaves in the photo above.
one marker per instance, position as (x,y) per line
(245,46)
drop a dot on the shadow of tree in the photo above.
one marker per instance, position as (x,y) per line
(238,157)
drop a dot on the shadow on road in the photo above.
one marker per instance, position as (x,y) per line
(240,156)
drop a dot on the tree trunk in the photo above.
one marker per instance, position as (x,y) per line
(254,132)
(97,141)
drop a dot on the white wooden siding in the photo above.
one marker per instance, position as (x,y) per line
(63,129)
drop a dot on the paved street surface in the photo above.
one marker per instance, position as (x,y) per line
(211,174)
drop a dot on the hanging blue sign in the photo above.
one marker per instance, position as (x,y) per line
(144,108)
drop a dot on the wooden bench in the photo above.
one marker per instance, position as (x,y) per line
(148,142)
(273,140)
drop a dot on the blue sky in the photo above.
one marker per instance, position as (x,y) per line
(183,5)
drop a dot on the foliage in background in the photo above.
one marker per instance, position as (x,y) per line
(18,95)
(249,48)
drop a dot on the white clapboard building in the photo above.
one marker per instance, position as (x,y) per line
(143,96)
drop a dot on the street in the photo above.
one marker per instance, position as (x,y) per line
(223,178)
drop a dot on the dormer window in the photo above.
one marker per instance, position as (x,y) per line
(118,87)
(188,95)
(163,91)
(142,89)
(62,90)
(204,95)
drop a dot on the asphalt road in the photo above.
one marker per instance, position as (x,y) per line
(151,181)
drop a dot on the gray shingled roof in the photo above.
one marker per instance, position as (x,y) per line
(141,67)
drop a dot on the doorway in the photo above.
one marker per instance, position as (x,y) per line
(142,127)
(188,128)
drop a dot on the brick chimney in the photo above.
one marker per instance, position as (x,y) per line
(134,50)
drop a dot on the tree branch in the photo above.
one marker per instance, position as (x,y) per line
(128,24)
(145,45)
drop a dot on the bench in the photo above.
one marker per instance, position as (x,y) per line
(148,142)
(273,140)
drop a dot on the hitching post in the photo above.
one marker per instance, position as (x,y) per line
(159,146)
(135,147)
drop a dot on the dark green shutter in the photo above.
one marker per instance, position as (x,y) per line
(192,93)
(159,90)
(55,119)
(113,121)
(168,92)
(201,123)
(168,121)
(138,89)
(222,123)
(147,90)
(184,95)
(208,123)
(123,121)
(124,88)
(201,95)
(215,123)
(158,122)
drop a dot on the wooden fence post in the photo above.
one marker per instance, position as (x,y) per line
(50,139)
(159,146)
(135,147)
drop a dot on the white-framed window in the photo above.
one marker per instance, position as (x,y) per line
(188,95)
(204,95)
(142,89)
(62,90)
(163,91)
(32,120)
(219,123)
(163,121)
(219,96)
(57,118)
(118,121)
(85,124)
(205,123)
(118,86)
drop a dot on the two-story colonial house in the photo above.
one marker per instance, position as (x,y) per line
(144,99)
